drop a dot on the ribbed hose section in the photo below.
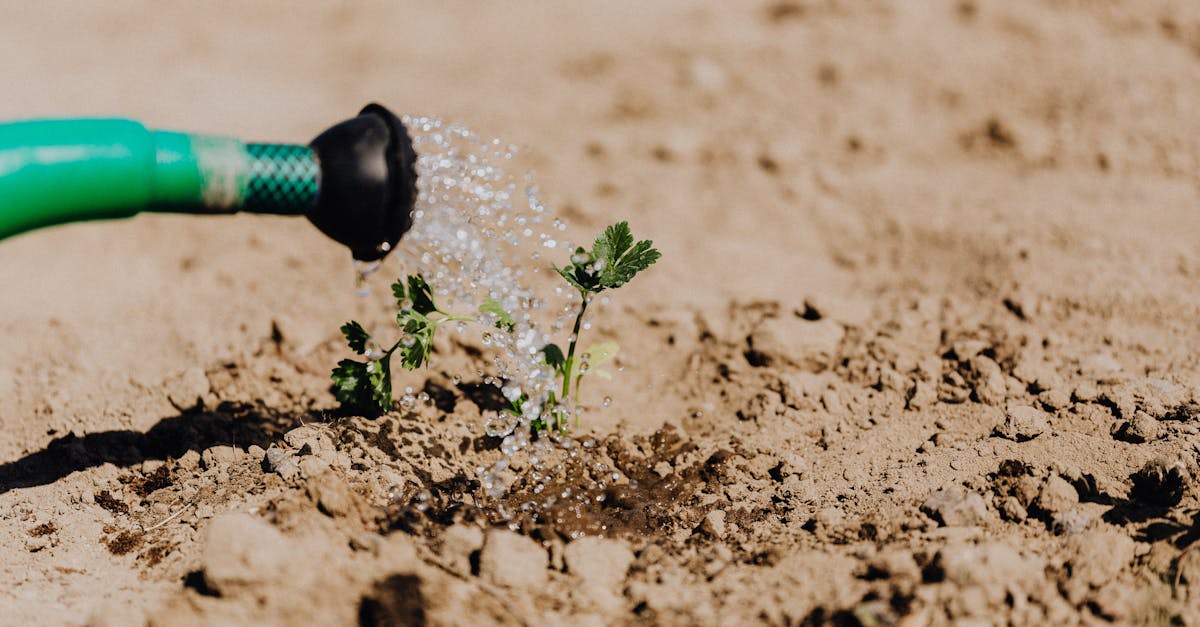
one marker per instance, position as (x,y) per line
(283,178)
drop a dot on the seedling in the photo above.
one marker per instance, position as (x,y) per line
(613,261)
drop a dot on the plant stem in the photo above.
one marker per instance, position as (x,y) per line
(569,365)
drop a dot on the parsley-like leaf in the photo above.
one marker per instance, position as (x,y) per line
(504,320)
(366,385)
(400,293)
(613,243)
(554,357)
(622,258)
(418,342)
(356,336)
(420,294)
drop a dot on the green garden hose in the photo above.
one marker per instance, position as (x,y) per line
(356,181)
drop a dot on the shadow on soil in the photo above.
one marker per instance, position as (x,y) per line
(231,423)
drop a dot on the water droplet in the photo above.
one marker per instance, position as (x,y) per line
(500,424)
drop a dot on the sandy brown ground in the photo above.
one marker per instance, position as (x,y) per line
(923,346)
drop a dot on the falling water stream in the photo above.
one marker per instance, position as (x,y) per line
(482,232)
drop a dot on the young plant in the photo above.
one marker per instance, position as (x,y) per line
(613,260)
(367,385)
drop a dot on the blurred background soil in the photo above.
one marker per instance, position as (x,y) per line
(922,348)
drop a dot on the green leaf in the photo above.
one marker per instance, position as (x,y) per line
(641,256)
(420,294)
(366,385)
(356,336)
(400,293)
(599,353)
(420,329)
(415,355)
(554,357)
(504,319)
(613,243)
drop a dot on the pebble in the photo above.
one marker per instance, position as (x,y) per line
(1022,423)
(1056,496)
(1071,522)
(808,344)
(955,506)
(1012,509)
(315,437)
(1099,556)
(991,565)
(1086,392)
(190,460)
(458,543)
(714,523)
(1057,398)
(186,390)
(598,561)
(1160,482)
(987,380)
(1100,365)
(1139,429)
(242,551)
(215,456)
(333,495)
(512,560)
(281,462)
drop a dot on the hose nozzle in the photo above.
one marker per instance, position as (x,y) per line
(368,182)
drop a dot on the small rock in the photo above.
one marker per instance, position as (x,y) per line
(215,456)
(1011,508)
(315,437)
(333,496)
(1160,483)
(1022,423)
(512,560)
(965,350)
(190,460)
(1038,375)
(1057,398)
(829,519)
(1100,365)
(1115,602)
(1071,522)
(1056,496)
(598,561)
(186,390)
(459,542)
(1099,555)
(987,380)
(1139,429)
(368,541)
(921,394)
(714,523)
(992,565)
(898,564)
(792,340)
(242,551)
(955,506)
(1086,392)
(33,544)
(279,461)
(312,466)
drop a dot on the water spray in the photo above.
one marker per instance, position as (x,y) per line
(356,181)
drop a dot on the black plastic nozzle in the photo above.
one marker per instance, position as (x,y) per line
(368,182)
